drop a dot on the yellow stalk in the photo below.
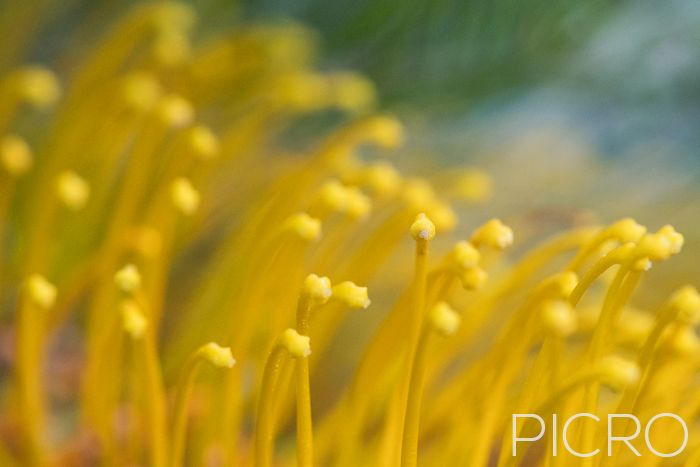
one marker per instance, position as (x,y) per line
(652,247)
(409,445)
(116,47)
(37,297)
(155,402)
(612,370)
(218,356)
(303,392)
(279,257)
(518,276)
(558,320)
(32,85)
(422,230)
(616,256)
(316,290)
(135,323)
(304,423)
(550,404)
(501,365)
(624,231)
(276,256)
(39,255)
(445,321)
(683,306)
(536,377)
(618,293)
(170,112)
(289,343)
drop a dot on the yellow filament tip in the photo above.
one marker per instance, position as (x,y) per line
(493,234)
(304,226)
(128,279)
(38,86)
(675,239)
(661,245)
(686,304)
(444,319)
(41,291)
(473,278)
(317,289)
(642,264)
(175,111)
(334,196)
(203,142)
(685,341)
(625,230)
(15,154)
(558,317)
(297,345)
(133,319)
(141,90)
(386,131)
(618,372)
(422,228)
(217,355)
(185,197)
(464,255)
(358,205)
(559,285)
(73,191)
(351,294)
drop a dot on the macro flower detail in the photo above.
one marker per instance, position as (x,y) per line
(186,213)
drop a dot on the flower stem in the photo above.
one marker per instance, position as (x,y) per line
(31,403)
(304,421)
(409,446)
(179,421)
(264,430)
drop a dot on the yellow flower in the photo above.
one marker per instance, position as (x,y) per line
(156,124)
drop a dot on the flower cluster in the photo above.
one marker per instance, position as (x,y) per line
(155,210)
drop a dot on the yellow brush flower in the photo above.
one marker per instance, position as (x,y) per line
(160,191)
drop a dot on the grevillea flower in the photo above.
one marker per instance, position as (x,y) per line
(189,282)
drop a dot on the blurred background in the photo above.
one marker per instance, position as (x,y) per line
(572,107)
(589,108)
